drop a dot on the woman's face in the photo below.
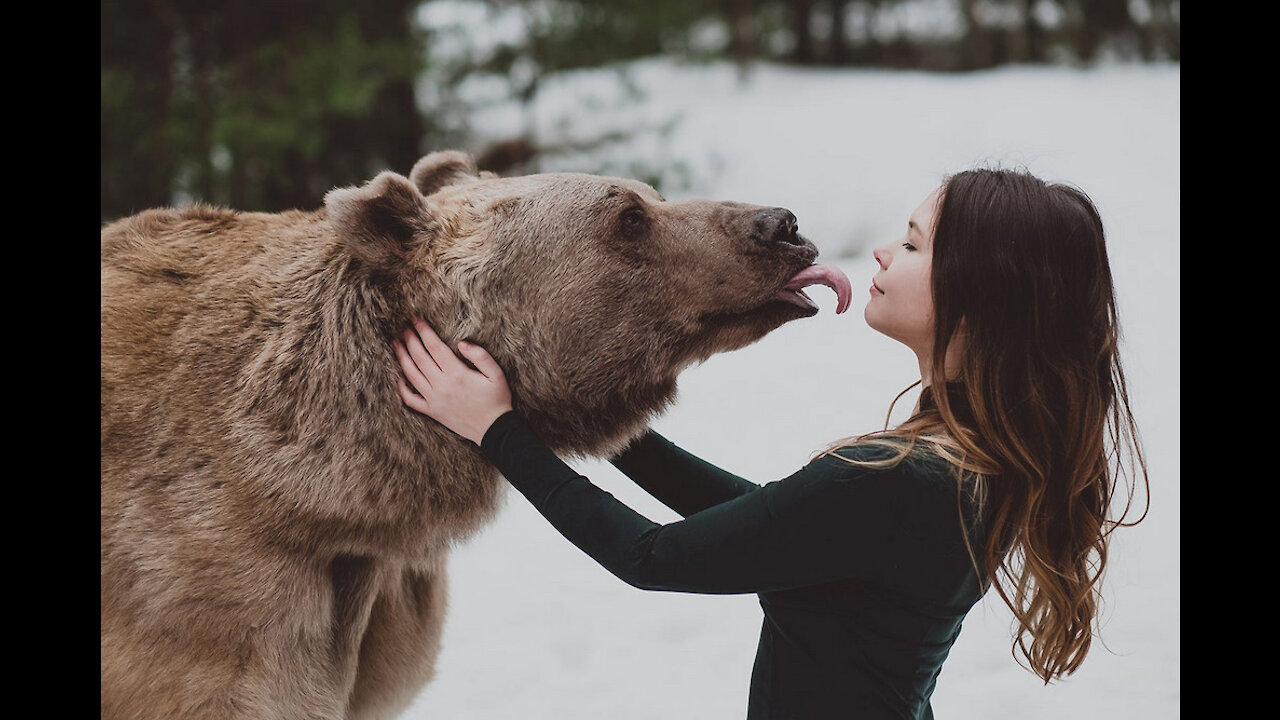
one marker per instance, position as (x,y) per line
(901,303)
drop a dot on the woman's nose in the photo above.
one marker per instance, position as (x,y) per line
(881,255)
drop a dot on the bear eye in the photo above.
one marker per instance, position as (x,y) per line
(633,217)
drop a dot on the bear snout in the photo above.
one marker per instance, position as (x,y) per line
(776,225)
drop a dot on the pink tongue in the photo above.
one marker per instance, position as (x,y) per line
(825,275)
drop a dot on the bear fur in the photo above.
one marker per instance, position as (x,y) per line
(275,521)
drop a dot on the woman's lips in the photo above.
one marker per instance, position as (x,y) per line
(875,289)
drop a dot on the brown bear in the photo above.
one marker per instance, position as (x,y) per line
(275,521)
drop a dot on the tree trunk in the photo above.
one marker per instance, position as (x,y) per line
(137,108)
(395,111)
(1033,35)
(741,18)
(839,52)
(976,47)
(801,19)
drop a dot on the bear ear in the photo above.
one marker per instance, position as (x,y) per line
(380,221)
(446,167)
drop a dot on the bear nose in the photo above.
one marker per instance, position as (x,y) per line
(776,225)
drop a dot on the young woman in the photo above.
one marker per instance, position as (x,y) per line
(867,560)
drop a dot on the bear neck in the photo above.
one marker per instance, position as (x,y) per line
(595,413)
(322,397)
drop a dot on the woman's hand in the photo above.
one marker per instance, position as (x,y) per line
(463,400)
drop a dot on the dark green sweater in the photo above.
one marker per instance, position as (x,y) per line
(863,574)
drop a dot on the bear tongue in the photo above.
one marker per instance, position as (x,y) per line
(822,275)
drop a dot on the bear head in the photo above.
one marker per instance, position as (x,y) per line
(592,293)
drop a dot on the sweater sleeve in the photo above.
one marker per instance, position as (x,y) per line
(825,522)
(680,480)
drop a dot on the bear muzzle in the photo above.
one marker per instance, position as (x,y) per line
(776,225)
(777,228)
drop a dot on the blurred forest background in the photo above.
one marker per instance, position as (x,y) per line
(268,105)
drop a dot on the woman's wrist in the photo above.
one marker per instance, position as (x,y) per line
(492,438)
(477,435)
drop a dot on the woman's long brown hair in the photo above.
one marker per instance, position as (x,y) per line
(1037,415)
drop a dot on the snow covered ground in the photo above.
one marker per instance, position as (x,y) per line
(537,631)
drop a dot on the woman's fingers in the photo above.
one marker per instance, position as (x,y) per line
(481,358)
(421,356)
(440,353)
(413,400)
(449,390)
(411,368)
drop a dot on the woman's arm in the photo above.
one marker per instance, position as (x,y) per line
(824,523)
(679,479)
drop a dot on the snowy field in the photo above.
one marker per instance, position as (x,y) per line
(538,631)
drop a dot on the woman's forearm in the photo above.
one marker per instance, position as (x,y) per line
(777,537)
(680,480)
